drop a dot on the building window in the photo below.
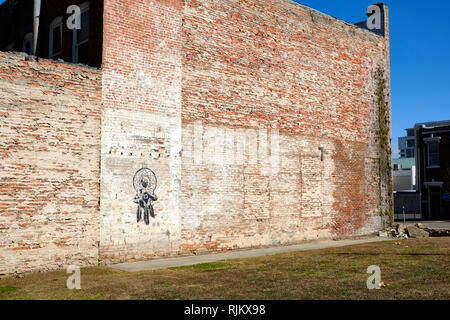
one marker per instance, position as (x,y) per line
(27,44)
(55,39)
(81,37)
(410,153)
(433,154)
(410,144)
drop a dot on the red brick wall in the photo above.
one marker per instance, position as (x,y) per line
(269,64)
(49,164)
(141,126)
(230,104)
(141,63)
(278,64)
(265,84)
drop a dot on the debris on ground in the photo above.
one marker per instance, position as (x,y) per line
(419,230)
(416,232)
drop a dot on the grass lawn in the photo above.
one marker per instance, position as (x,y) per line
(410,269)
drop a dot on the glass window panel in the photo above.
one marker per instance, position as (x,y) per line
(433,154)
(83,33)
(409,153)
(56,40)
(83,54)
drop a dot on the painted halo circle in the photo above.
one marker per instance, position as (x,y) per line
(144,180)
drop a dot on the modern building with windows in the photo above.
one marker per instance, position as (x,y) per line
(407,144)
(433,163)
(406,197)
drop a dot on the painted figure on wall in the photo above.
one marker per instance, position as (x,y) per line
(144,182)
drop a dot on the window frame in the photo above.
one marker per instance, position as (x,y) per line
(56,23)
(85,6)
(429,142)
(410,143)
(409,153)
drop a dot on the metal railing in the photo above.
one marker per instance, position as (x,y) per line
(406,215)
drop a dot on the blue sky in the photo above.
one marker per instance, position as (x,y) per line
(420,56)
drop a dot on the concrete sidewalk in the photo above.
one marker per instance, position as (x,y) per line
(156,264)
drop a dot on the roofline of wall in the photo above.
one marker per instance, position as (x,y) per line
(432,125)
(337,19)
(28,57)
(316,11)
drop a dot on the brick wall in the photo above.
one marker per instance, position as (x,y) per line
(251,67)
(259,119)
(259,87)
(141,126)
(49,164)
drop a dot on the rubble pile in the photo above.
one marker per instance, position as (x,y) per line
(419,230)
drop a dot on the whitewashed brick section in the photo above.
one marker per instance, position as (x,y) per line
(130,141)
(281,191)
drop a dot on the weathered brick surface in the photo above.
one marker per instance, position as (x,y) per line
(49,164)
(141,126)
(229,102)
(264,85)
(268,65)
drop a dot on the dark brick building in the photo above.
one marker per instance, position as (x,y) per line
(55,40)
(433,163)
